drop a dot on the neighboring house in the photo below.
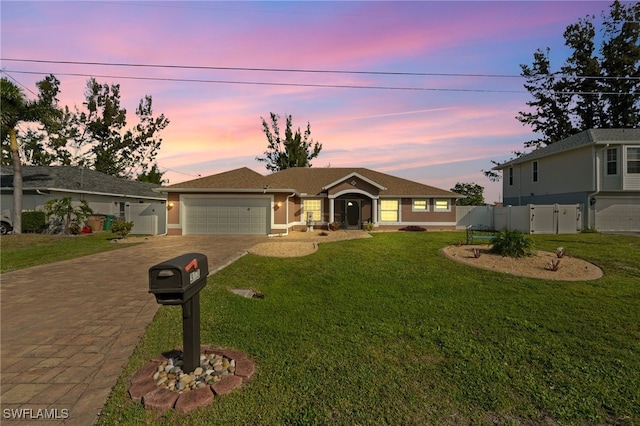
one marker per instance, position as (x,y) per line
(243,201)
(598,168)
(106,195)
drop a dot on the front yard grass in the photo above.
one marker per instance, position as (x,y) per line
(388,331)
(18,251)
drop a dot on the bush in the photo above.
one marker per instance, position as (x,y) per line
(121,228)
(512,244)
(413,228)
(65,215)
(33,221)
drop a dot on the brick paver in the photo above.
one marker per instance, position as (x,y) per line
(69,328)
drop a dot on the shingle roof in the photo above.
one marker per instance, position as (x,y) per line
(587,137)
(77,179)
(307,180)
(242,178)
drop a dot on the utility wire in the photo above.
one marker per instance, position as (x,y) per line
(259,83)
(288,70)
(332,86)
(18,83)
(297,70)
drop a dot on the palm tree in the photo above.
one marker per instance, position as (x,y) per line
(16,108)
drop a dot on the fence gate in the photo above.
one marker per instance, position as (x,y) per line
(543,219)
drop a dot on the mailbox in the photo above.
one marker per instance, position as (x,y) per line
(177,280)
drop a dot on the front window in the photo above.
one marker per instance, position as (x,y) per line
(441,206)
(510,176)
(535,171)
(420,206)
(389,210)
(633,160)
(612,161)
(314,207)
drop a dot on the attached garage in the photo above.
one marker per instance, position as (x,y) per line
(617,214)
(206,215)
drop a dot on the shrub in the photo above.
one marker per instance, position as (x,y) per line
(65,214)
(33,221)
(121,228)
(512,244)
(334,226)
(413,228)
(554,265)
(368,226)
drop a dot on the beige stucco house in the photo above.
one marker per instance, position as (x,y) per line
(242,201)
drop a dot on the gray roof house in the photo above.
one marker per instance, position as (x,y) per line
(598,168)
(106,195)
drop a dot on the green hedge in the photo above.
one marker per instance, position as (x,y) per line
(33,221)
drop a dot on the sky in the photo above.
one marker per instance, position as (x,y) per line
(426,90)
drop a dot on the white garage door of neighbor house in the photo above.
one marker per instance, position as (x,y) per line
(617,214)
(226,216)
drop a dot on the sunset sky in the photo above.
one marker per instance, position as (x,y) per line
(441,125)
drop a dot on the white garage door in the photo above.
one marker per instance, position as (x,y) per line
(617,214)
(226,216)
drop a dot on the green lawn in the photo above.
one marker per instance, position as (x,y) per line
(388,331)
(18,251)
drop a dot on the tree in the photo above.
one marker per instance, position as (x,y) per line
(595,88)
(549,116)
(96,136)
(295,150)
(100,132)
(473,192)
(621,58)
(154,175)
(16,108)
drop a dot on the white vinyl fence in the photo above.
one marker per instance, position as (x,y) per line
(529,219)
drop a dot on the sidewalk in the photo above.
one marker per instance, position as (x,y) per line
(69,328)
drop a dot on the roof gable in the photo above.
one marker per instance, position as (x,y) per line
(354,175)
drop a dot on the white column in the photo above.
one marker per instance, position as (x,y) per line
(331,210)
(374,208)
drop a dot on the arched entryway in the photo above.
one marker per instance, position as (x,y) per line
(352,210)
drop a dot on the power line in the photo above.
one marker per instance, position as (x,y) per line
(287,70)
(330,86)
(19,84)
(259,83)
(308,71)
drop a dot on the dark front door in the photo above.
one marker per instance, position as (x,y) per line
(353,213)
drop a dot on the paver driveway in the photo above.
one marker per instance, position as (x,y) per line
(69,328)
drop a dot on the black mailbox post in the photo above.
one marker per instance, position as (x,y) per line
(178,281)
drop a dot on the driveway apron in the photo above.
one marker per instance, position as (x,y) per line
(69,328)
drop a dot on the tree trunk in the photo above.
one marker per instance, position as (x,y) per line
(17,183)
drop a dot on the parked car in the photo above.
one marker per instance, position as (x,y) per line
(5,222)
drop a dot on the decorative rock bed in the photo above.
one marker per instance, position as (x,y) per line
(161,384)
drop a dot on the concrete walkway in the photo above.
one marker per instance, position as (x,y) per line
(69,328)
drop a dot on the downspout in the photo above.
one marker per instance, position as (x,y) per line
(590,196)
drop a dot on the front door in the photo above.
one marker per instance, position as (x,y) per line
(353,213)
